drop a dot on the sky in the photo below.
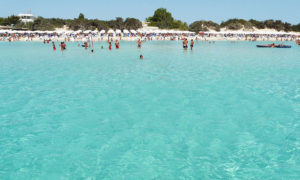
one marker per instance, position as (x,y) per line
(185,10)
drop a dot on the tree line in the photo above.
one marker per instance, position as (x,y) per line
(161,18)
(237,24)
(80,23)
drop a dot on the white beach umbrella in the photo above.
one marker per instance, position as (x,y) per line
(171,31)
(147,32)
(140,31)
(87,31)
(157,31)
(95,31)
(150,31)
(164,31)
(102,31)
(111,31)
(125,31)
(118,31)
(133,31)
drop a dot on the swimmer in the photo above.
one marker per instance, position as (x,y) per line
(102,47)
(63,46)
(141,57)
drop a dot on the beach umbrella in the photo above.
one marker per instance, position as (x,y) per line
(102,31)
(95,31)
(171,31)
(164,32)
(133,31)
(157,31)
(125,31)
(111,31)
(87,31)
(118,31)
(140,31)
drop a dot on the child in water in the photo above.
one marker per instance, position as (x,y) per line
(141,57)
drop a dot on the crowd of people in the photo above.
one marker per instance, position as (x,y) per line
(80,36)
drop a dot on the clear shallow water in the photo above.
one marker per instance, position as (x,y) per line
(228,110)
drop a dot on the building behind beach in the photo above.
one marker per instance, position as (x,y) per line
(26,18)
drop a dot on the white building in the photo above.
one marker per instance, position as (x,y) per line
(26,18)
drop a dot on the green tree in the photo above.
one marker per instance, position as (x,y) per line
(198,26)
(132,23)
(257,24)
(296,28)
(81,16)
(164,20)
(10,20)
(161,18)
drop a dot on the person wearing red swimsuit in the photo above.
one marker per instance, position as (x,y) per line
(54,47)
(117,44)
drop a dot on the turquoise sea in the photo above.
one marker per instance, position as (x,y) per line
(223,111)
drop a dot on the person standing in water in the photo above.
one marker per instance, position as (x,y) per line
(109,47)
(85,45)
(117,44)
(139,43)
(53,45)
(185,44)
(192,44)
